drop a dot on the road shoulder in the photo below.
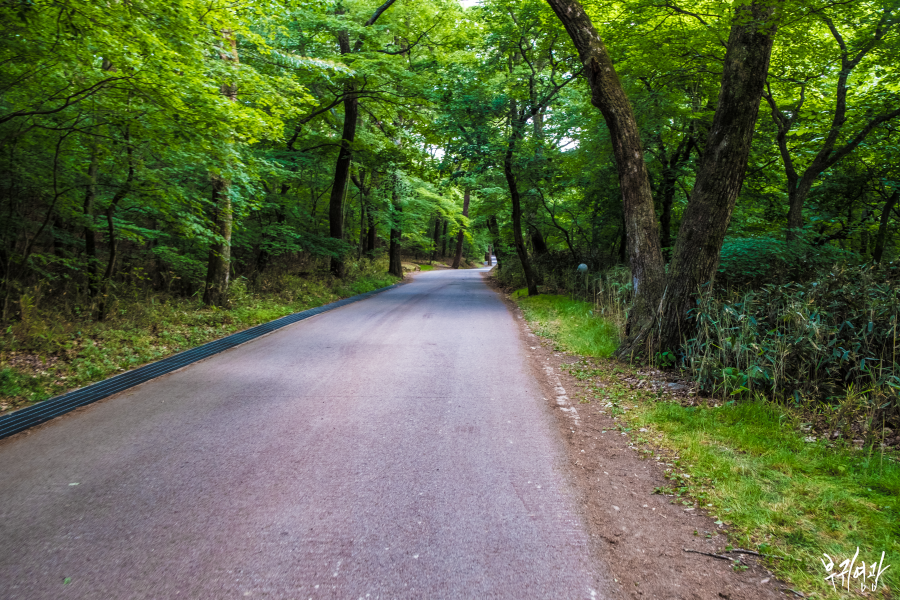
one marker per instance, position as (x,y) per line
(639,535)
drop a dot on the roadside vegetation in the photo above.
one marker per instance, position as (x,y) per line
(571,323)
(57,347)
(772,473)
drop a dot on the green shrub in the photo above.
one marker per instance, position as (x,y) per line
(811,340)
(761,260)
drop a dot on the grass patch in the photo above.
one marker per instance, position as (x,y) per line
(50,353)
(572,324)
(780,494)
(426,267)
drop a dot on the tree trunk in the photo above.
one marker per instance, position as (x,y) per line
(351,114)
(517,220)
(459,238)
(696,255)
(110,264)
(218,270)
(436,238)
(342,177)
(371,232)
(90,236)
(395,265)
(113,242)
(444,238)
(665,218)
(494,228)
(796,199)
(538,242)
(644,253)
(881,240)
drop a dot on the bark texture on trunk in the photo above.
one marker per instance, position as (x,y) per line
(695,258)
(518,239)
(459,238)
(444,238)
(342,176)
(643,249)
(218,270)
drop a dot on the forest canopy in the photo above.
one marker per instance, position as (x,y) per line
(175,147)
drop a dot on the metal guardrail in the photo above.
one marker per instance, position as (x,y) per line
(48,409)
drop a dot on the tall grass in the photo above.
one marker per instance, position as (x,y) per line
(752,469)
(833,340)
(572,323)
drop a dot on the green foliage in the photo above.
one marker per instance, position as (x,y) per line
(752,465)
(766,260)
(571,323)
(796,341)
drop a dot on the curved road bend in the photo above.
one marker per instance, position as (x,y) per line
(392,448)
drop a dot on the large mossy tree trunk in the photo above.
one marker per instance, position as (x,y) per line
(658,317)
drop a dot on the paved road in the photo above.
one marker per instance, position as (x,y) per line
(392,448)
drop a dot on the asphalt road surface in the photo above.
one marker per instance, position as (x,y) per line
(393,448)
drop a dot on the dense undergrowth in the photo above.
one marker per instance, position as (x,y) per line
(820,342)
(55,347)
(827,343)
(751,463)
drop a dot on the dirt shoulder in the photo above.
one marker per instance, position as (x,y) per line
(641,536)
